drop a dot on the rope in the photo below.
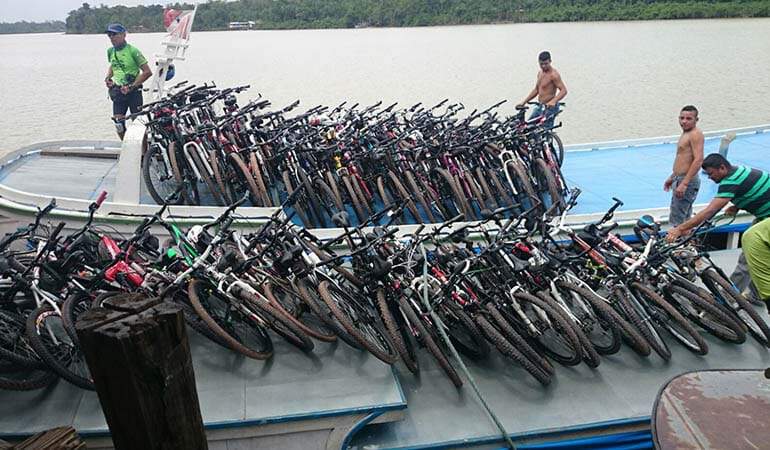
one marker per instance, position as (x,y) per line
(463,368)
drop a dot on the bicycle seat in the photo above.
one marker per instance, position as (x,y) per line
(519,265)
(380,267)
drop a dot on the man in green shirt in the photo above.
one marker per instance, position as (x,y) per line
(747,189)
(128,70)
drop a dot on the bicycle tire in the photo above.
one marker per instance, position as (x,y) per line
(27,380)
(71,309)
(476,194)
(518,340)
(314,301)
(526,194)
(592,322)
(396,333)
(460,202)
(285,298)
(298,207)
(242,172)
(541,167)
(332,183)
(371,338)
(710,317)
(502,193)
(589,354)
(566,332)
(680,325)
(64,358)
(186,193)
(510,351)
(405,197)
(385,196)
(256,173)
(462,331)
(743,308)
(632,336)
(327,199)
(558,149)
(362,196)
(489,199)
(152,154)
(429,342)
(645,326)
(426,206)
(220,180)
(237,335)
(279,321)
(15,347)
(198,161)
(357,207)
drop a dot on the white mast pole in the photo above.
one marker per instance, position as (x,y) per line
(174,48)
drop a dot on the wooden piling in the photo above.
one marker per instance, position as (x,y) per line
(139,356)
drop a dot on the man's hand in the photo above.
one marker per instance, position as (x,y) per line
(126,89)
(667,184)
(681,188)
(551,103)
(673,234)
(108,82)
(731,211)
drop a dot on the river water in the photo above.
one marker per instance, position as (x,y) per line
(625,79)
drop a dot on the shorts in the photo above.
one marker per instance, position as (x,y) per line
(123,102)
(550,112)
(681,208)
(756,246)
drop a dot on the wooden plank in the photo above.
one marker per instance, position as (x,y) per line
(82,152)
(61,438)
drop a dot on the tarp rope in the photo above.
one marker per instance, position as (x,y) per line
(445,337)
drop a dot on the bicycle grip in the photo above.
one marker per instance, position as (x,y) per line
(100,198)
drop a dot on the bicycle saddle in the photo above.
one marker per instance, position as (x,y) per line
(519,265)
(380,267)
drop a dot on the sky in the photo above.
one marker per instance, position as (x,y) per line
(42,10)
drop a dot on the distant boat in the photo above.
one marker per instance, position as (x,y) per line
(248,25)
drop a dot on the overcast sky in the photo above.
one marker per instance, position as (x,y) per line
(42,10)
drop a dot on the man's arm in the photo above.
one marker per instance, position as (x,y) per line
(557,81)
(531,95)
(696,145)
(146,73)
(108,78)
(716,205)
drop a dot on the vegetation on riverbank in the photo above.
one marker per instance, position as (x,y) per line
(53,26)
(292,14)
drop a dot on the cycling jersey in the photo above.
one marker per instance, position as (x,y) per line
(126,63)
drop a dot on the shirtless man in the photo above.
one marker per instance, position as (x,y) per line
(684,178)
(546,86)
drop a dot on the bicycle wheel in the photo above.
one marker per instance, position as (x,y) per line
(557,148)
(452,193)
(603,334)
(706,314)
(631,308)
(508,350)
(547,186)
(26,380)
(605,312)
(327,199)
(189,194)
(743,309)
(277,320)
(244,177)
(73,307)
(499,191)
(358,322)
(396,332)
(489,198)
(517,176)
(158,177)
(256,173)
(404,196)
(229,322)
(219,177)
(332,183)
(475,194)
(298,206)
(421,198)
(668,317)
(589,355)
(56,348)
(428,341)
(518,341)
(363,197)
(555,336)
(284,297)
(14,343)
(213,189)
(462,331)
(313,299)
(357,206)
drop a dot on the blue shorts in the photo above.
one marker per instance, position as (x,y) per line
(550,113)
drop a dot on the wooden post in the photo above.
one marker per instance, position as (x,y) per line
(139,357)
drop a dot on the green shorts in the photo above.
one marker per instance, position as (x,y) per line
(756,247)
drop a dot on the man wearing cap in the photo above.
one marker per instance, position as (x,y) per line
(128,70)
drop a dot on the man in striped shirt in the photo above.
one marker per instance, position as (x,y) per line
(747,189)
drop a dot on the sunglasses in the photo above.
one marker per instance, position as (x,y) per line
(110,33)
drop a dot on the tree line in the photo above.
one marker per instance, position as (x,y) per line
(32,27)
(291,14)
